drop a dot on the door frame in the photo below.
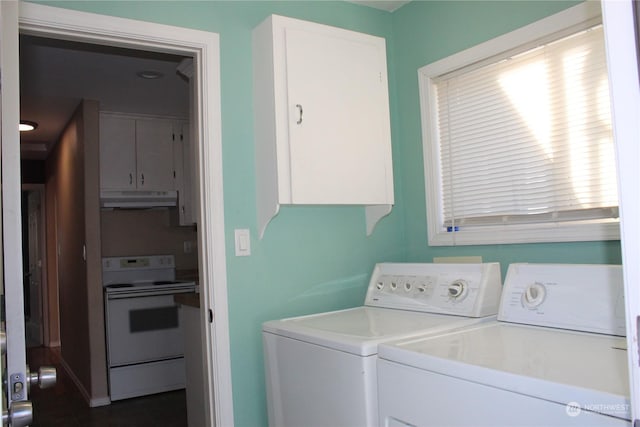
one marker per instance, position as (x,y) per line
(624,88)
(204,47)
(10,202)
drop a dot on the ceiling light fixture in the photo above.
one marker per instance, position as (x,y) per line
(27,126)
(149,74)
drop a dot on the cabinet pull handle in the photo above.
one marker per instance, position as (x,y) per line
(142,176)
(130,178)
(299,107)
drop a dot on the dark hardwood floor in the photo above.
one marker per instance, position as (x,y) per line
(63,405)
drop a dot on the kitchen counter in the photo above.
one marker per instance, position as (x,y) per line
(191,299)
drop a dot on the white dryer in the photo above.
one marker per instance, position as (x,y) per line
(556,356)
(321,369)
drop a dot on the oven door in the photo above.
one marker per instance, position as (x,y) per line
(142,329)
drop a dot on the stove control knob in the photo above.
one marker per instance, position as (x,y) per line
(534,295)
(458,290)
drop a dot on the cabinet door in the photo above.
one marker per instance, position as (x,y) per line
(117,152)
(338,119)
(154,151)
(183,172)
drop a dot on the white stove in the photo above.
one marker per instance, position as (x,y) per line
(144,334)
(556,356)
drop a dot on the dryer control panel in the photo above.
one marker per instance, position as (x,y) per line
(471,290)
(581,297)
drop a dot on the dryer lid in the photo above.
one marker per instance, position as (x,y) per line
(552,364)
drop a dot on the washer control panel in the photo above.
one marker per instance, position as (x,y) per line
(471,290)
(581,297)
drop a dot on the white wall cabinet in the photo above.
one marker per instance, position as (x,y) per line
(154,154)
(183,167)
(117,152)
(321,118)
(136,153)
(148,153)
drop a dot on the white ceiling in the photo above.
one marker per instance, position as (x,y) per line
(55,75)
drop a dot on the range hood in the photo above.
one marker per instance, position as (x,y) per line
(134,199)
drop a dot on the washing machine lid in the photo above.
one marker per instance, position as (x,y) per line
(552,364)
(359,330)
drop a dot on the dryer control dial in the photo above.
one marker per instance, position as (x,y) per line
(458,290)
(534,295)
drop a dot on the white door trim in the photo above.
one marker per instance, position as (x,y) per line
(622,62)
(11,201)
(204,47)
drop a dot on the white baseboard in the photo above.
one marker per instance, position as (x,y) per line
(92,402)
(102,401)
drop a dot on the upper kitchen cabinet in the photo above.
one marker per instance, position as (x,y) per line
(321,118)
(154,154)
(117,152)
(184,173)
(136,153)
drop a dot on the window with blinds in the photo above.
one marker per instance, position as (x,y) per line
(520,144)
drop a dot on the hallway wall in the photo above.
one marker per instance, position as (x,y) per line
(73,221)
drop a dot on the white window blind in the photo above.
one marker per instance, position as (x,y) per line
(527,139)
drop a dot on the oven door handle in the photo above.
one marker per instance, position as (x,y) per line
(148,293)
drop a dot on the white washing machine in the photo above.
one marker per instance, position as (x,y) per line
(556,356)
(321,369)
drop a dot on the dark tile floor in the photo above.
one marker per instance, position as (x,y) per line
(63,405)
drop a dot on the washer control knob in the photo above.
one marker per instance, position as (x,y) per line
(408,286)
(458,290)
(534,295)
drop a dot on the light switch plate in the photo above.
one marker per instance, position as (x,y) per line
(243,242)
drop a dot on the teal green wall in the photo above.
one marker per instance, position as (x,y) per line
(316,259)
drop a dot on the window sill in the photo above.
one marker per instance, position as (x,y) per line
(530,233)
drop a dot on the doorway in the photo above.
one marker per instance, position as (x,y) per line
(45,21)
(34,266)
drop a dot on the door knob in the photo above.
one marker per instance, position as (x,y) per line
(45,377)
(20,414)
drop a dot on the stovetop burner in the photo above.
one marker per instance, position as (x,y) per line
(153,274)
(150,287)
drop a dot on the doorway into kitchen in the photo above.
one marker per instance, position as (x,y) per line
(71,128)
(208,245)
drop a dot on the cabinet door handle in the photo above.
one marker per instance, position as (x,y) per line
(142,178)
(299,107)
(130,178)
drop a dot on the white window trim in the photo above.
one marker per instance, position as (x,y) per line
(566,22)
